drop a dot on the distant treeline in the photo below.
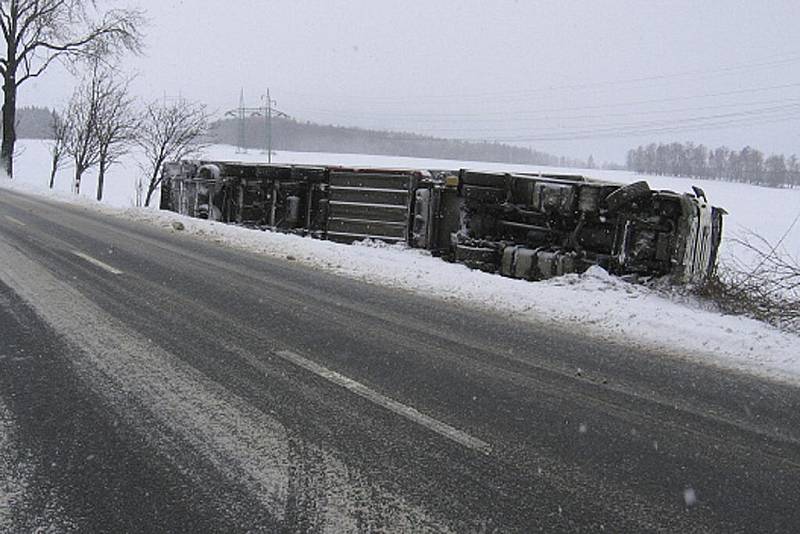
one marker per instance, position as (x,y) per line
(290,134)
(747,165)
(34,123)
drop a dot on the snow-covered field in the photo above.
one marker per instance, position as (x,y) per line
(601,305)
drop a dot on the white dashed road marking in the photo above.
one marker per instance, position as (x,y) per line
(392,405)
(97,262)
(15,221)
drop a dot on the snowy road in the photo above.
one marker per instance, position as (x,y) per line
(150,381)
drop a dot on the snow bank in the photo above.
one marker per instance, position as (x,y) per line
(599,304)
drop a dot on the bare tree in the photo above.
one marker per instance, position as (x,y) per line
(169,131)
(59,128)
(115,123)
(138,191)
(100,123)
(82,143)
(39,32)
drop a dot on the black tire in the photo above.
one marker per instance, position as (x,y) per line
(627,194)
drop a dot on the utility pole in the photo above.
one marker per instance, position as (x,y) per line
(242,113)
(242,140)
(268,103)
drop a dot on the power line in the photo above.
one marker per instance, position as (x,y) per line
(543,115)
(763,115)
(774,112)
(766,115)
(745,113)
(582,134)
(621,133)
(787,58)
(628,103)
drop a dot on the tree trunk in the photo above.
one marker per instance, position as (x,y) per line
(53,170)
(9,121)
(78,175)
(150,191)
(101,176)
(151,187)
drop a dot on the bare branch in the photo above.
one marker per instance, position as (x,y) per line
(116,122)
(169,131)
(767,288)
(39,32)
(82,143)
(59,128)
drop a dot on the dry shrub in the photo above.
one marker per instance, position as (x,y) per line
(768,291)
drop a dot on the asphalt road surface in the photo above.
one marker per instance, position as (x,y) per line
(154,382)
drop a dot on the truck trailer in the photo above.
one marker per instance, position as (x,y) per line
(531,226)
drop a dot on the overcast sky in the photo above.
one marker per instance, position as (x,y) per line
(571,78)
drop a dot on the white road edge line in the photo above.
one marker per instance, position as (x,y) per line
(15,221)
(408,412)
(97,262)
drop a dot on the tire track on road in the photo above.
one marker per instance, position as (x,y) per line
(142,382)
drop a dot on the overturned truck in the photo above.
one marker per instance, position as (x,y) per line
(523,225)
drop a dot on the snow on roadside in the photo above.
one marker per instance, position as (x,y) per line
(601,305)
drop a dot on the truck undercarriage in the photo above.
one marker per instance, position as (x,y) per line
(522,225)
